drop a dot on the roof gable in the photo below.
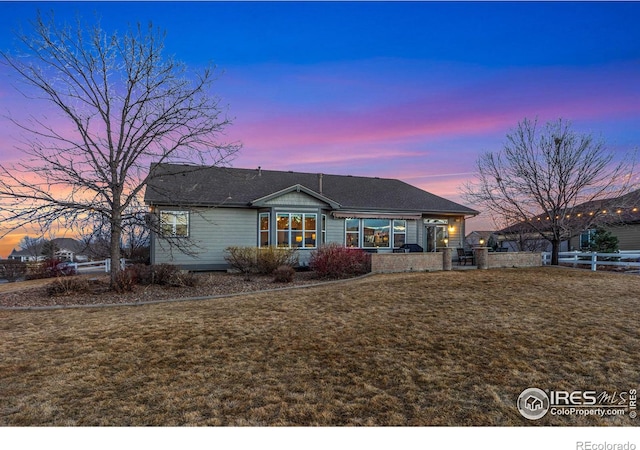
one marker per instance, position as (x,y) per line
(288,196)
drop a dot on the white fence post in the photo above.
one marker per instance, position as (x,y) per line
(107,265)
(594,262)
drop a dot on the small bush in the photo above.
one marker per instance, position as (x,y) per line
(186,279)
(241,258)
(335,261)
(141,274)
(263,261)
(283,274)
(12,270)
(67,286)
(165,275)
(271,258)
(125,281)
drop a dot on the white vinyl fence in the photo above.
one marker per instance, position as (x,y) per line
(96,266)
(626,258)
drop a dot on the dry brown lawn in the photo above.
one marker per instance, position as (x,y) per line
(447,348)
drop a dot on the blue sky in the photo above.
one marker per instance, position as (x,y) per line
(410,90)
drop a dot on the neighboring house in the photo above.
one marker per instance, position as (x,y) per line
(68,250)
(488,238)
(207,209)
(620,216)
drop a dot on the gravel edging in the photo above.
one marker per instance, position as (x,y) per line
(178,299)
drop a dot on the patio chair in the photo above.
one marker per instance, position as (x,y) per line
(464,256)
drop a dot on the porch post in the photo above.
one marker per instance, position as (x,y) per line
(482,257)
(447,252)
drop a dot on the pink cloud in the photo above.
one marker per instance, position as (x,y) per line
(492,105)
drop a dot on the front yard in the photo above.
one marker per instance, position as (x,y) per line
(445,348)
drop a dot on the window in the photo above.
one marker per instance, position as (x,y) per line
(296,230)
(352,232)
(324,229)
(376,232)
(399,233)
(174,223)
(263,229)
(586,239)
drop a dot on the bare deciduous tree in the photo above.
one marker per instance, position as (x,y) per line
(31,245)
(126,106)
(542,174)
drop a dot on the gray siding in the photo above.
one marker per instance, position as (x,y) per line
(628,236)
(295,198)
(210,232)
(335,230)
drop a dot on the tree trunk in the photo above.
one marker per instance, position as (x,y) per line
(116,234)
(555,249)
(114,250)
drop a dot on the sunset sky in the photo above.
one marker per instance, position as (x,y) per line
(408,90)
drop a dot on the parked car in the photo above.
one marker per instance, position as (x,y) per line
(65,268)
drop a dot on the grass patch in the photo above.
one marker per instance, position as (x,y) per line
(447,348)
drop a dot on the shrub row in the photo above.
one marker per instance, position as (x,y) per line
(336,261)
(262,261)
(159,274)
(139,274)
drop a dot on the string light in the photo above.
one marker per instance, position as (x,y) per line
(635,209)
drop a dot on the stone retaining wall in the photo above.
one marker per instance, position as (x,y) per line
(427,262)
(405,262)
(514,259)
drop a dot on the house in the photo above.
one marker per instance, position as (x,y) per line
(481,239)
(67,249)
(203,210)
(619,215)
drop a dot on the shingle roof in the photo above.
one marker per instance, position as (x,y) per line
(174,184)
(607,211)
(62,244)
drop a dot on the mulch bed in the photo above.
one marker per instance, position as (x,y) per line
(210,284)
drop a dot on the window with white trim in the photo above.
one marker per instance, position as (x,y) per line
(264,222)
(296,230)
(376,233)
(324,229)
(399,233)
(174,223)
(352,232)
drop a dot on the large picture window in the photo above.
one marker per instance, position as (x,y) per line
(376,233)
(174,223)
(296,230)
